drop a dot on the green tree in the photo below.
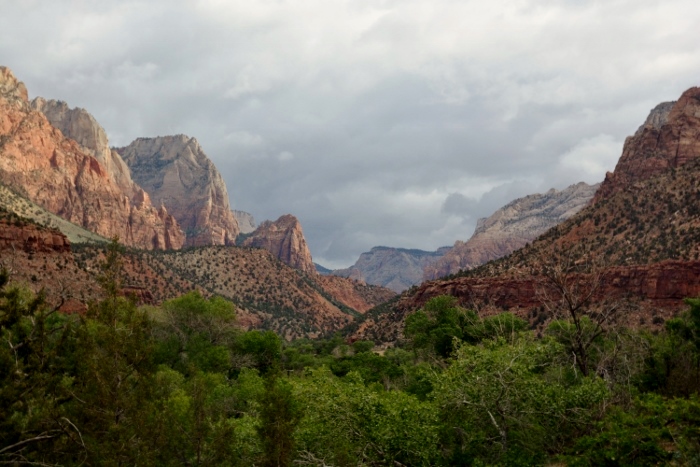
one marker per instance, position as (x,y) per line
(196,333)
(33,386)
(280,414)
(505,403)
(350,423)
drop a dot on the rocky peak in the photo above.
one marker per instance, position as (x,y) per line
(284,239)
(658,117)
(80,126)
(175,172)
(512,227)
(669,138)
(11,88)
(55,172)
(245,220)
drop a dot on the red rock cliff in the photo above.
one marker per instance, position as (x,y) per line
(36,159)
(669,138)
(284,239)
(31,238)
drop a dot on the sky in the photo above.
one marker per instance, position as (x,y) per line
(385,122)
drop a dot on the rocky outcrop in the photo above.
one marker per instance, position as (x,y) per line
(31,238)
(662,283)
(285,240)
(175,172)
(394,268)
(246,222)
(55,172)
(668,139)
(78,125)
(512,227)
(645,293)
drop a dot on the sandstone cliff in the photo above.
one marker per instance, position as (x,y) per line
(393,268)
(30,238)
(512,227)
(78,125)
(175,172)
(285,240)
(55,172)
(668,139)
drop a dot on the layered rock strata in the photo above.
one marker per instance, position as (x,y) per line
(175,172)
(512,227)
(57,173)
(31,238)
(285,240)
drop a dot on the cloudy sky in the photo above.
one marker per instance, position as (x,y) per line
(375,122)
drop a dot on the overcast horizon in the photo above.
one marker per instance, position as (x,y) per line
(394,123)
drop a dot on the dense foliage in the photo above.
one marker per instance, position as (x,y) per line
(180,384)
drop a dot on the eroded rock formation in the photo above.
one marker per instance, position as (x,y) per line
(284,239)
(175,172)
(668,139)
(58,174)
(31,238)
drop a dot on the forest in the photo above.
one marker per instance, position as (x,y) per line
(181,384)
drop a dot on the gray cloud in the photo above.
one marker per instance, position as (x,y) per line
(382,122)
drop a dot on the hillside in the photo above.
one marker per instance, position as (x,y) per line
(640,237)
(512,227)
(12,202)
(268,294)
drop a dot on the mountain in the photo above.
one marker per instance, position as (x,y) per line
(640,237)
(267,293)
(55,172)
(175,172)
(393,268)
(246,222)
(285,240)
(512,227)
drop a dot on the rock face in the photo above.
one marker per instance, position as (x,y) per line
(669,138)
(78,125)
(246,222)
(175,172)
(55,172)
(394,268)
(658,289)
(666,283)
(31,238)
(512,227)
(285,240)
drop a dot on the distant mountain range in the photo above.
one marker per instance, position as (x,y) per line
(509,228)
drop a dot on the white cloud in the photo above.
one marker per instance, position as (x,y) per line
(381,109)
(592,157)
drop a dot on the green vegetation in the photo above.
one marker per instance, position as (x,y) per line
(180,384)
